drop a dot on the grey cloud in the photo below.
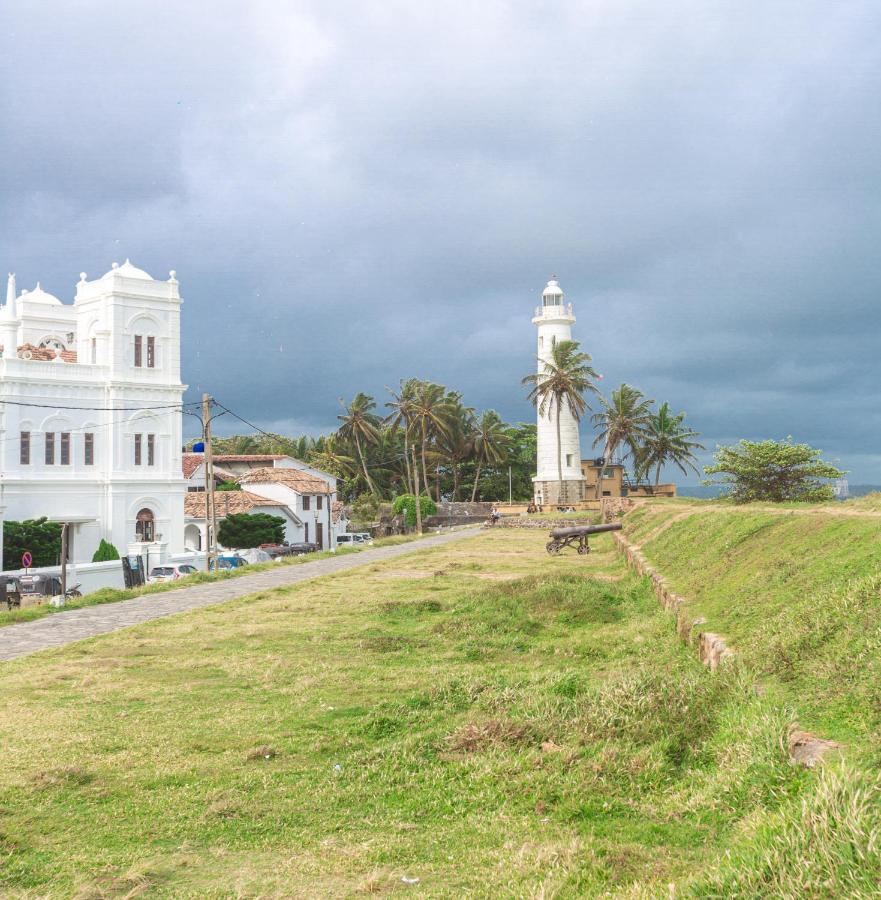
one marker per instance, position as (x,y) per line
(352,193)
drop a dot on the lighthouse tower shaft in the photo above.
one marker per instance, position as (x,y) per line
(553,321)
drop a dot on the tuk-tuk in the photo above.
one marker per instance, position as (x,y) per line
(9,591)
(39,585)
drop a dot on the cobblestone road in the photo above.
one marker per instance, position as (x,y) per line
(61,628)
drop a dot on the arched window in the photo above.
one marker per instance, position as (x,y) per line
(144,525)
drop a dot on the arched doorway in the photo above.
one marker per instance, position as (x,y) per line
(192,537)
(145,526)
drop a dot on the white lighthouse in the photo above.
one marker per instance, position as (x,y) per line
(553,321)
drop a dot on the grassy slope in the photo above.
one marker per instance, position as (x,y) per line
(428,717)
(797,594)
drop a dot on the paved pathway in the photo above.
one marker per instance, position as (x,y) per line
(61,628)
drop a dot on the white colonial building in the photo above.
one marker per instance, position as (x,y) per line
(553,321)
(90,413)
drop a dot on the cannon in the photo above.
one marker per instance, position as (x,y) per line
(577,534)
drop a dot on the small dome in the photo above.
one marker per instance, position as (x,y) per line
(552,290)
(127,270)
(38,295)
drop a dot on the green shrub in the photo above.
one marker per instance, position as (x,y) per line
(406,504)
(106,552)
(244,530)
(40,537)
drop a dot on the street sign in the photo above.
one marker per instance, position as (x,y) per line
(27,560)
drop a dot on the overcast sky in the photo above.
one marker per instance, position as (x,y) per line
(352,193)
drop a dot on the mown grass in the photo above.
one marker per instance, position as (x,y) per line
(114,595)
(480,716)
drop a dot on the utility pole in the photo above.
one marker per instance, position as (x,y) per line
(210,518)
(64,527)
(418,497)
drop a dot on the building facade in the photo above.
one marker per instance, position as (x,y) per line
(90,413)
(553,321)
(304,496)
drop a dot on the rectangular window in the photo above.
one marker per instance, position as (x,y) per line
(137,449)
(138,351)
(89,449)
(306,532)
(94,350)
(65,448)
(151,449)
(318,501)
(24,453)
(306,500)
(568,459)
(151,352)
(50,448)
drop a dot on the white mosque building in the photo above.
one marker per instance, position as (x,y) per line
(90,413)
(553,321)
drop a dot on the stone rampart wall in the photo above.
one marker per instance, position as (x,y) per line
(713,652)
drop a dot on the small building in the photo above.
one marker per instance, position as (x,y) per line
(613,478)
(226,503)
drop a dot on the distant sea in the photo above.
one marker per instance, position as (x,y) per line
(708,493)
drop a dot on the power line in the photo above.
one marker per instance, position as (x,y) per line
(98,408)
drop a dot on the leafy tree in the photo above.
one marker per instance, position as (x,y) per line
(365,508)
(774,471)
(40,536)
(624,425)
(106,552)
(228,486)
(565,377)
(245,530)
(489,444)
(406,504)
(667,440)
(361,425)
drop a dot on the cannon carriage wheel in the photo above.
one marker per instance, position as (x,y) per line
(554,547)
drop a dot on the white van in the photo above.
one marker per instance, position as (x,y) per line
(354,539)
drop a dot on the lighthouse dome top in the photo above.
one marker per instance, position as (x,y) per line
(552,295)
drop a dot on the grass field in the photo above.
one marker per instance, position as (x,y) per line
(114,595)
(480,717)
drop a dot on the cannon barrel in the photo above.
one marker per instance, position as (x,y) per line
(579,530)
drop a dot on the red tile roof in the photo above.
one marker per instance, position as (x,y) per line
(301,482)
(44,354)
(225,502)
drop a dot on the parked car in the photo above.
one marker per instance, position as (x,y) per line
(276,550)
(303,547)
(346,540)
(170,573)
(363,537)
(225,563)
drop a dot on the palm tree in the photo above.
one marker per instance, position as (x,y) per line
(402,416)
(564,378)
(455,443)
(431,417)
(359,424)
(668,441)
(333,459)
(490,441)
(624,423)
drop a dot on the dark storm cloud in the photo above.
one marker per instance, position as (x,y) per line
(354,193)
